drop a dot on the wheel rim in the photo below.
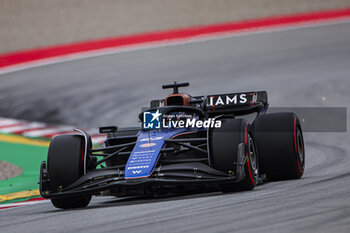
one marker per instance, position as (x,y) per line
(253,158)
(300,144)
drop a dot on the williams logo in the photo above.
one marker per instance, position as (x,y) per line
(151,120)
(229,99)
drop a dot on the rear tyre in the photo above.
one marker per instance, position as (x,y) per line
(225,143)
(65,165)
(280,144)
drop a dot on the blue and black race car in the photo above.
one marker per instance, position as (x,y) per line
(185,143)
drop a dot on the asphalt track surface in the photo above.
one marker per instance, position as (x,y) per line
(297,67)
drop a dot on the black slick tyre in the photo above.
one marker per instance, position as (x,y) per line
(280,145)
(225,143)
(65,165)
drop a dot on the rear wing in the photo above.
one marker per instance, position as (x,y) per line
(237,103)
(230,103)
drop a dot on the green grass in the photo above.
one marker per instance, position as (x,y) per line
(27,157)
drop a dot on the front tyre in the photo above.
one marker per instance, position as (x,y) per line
(65,163)
(226,144)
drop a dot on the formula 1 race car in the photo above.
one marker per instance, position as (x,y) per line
(185,143)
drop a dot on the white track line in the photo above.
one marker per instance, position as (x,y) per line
(44,132)
(5,121)
(27,126)
(7,206)
(38,129)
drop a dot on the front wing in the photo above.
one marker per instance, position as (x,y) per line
(173,174)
